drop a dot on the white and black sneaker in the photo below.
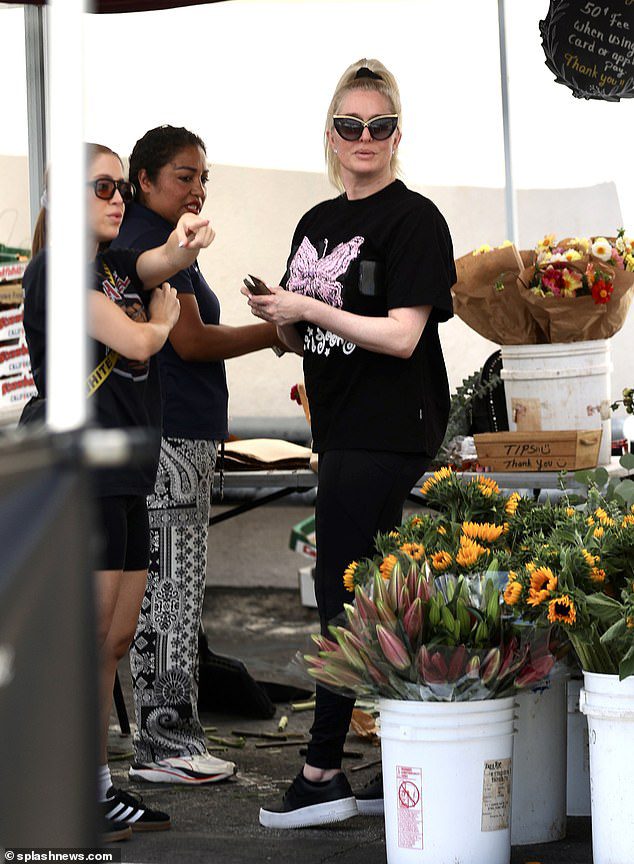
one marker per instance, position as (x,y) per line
(123,809)
(308,803)
(370,798)
(188,770)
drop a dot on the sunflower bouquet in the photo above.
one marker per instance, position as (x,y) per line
(580,579)
(463,531)
(425,621)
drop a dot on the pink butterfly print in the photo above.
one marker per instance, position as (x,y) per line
(317,277)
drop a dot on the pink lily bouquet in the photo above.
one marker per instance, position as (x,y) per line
(417,636)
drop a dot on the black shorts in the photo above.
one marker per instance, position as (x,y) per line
(124,532)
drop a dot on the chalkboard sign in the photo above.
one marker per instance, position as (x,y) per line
(590,47)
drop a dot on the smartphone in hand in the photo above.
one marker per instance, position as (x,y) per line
(255,285)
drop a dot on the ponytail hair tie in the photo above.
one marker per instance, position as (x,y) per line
(364,72)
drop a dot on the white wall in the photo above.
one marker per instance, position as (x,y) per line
(15,226)
(255,211)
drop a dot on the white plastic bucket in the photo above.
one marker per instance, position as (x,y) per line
(578,767)
(447,771)
(560,386)
(539,756)
(609,706)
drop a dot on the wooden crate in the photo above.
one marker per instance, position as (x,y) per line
(538,451)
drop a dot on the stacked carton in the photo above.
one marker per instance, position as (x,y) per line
(16,381)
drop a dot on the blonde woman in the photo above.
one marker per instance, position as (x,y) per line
(367,282)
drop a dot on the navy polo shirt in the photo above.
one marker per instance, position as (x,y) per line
(194,393)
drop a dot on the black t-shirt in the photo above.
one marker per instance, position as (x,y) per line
(367,256)
(130,396)
(195,393)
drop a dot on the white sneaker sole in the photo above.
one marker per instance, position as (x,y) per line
(372,807)
(166,775)
(316,814)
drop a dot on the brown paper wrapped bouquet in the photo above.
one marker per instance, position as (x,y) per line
(563,291)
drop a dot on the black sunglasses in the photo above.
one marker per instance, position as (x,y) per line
(105,188)
(351,128)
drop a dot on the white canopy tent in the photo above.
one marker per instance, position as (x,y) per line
(55,90)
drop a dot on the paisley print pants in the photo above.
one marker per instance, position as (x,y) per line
(164,652)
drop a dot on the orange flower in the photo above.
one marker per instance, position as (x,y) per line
(442,530)
(512,592)
(348,575)
(511,504)
(597,575)
(416,521)
(562,610)
(437,477)
(570,511)
(441,560)
(387,565)
(603,517)
(598,532)
(414,550)
(487,486)
(469,552)
(590,559)
(543,582)
(485,531)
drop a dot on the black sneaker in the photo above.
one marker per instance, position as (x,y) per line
(111,831)
(121,808)
(370,798)
(306,803)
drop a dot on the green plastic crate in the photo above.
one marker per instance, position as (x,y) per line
(303,538)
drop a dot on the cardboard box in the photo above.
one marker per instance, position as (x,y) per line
(16,389)
(14,360)
(11,293)
(11,324)
(539,451)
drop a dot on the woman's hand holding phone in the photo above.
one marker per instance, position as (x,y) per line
(255,285)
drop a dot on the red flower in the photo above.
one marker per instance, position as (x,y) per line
(553,279)
(602,291)
(294,394)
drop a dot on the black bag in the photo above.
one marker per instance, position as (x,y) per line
(488,412)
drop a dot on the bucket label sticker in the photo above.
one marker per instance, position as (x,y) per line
(527,414)
(496,794)
(409,807)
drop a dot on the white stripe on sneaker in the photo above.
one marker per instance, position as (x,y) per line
(118,812)
(136,816)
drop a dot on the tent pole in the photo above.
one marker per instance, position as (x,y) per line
(67,368)
(510,198)
(36,98)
